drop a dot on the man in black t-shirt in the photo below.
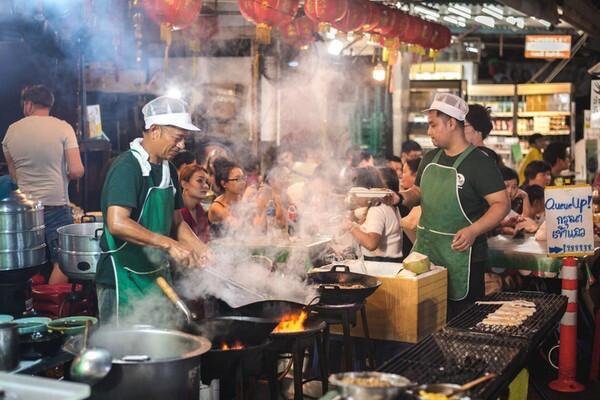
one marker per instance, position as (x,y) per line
(462,197)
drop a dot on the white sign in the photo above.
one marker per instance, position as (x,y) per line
(94,121)
(569,220)
(595,105)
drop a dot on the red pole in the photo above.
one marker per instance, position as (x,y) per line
(567,362)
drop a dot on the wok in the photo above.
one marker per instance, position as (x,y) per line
(39,344)
(273,310)
(331,285)
(247,330)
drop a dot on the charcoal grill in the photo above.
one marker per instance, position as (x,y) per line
(549,309)
(459,357)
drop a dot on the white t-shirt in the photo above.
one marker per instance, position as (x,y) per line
(385,221)
(37,146)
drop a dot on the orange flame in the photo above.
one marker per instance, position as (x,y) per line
(292,323)
(235,346)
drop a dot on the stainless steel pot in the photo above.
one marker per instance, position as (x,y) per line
(148,363)
(79,249)
(369,385)
(22,232)
(9,346)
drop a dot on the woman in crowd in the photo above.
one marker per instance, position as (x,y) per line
(230,179)
(195,187)
(410,216)
(380,235)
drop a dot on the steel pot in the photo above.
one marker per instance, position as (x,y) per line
(147,363)
(9,346)
(352,385)
(22,232)
(79,249)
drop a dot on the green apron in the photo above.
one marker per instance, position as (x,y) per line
(442,216)
(137,267)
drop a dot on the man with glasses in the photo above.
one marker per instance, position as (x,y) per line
(143,228)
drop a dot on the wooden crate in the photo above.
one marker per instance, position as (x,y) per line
(405,309)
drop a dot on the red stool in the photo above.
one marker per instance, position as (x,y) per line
(53,300)
(595,367)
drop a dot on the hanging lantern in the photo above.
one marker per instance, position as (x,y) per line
(443,39)
(412,32)
(177,14)
(247,10)
(298,33)
(428,35)
(373,15)
(270,13)
(354,18)
(325,12)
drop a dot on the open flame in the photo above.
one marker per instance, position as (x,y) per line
(291,323)
(237,345)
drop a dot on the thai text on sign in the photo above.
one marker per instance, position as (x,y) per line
(547,46)
(569,220)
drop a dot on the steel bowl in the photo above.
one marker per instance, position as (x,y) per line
(394,385)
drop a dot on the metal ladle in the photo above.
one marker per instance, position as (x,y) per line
(90,365)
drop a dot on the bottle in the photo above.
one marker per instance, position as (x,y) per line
(270,217)
(292,219)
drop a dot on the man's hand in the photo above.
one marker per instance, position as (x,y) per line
(182,255)
(464,239)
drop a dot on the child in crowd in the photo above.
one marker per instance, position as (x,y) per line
(520,206)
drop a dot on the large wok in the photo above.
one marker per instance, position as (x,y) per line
(334,285)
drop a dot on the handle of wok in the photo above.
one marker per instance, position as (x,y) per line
(477,381)
(171,295)
(344,268)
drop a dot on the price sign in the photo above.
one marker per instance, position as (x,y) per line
(547,46)
(569,220)
(595,105)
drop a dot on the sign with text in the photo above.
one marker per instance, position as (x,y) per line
(547,46)
(569,220)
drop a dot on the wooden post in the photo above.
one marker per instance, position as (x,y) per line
(255,98)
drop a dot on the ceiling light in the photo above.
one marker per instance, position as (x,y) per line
(456,11)
(330,34)
(545,23)
(453,20)
(485,20)
(426,11)
(494,11)
(379,72)
(293,64)
(472,49)
(335,47)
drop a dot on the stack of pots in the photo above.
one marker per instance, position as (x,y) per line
(22,233)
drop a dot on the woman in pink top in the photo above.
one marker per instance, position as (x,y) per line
(195,186)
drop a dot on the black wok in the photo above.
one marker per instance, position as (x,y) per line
(229,329)
(332,285)
(273,310)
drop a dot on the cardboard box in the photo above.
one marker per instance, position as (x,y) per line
(405,308)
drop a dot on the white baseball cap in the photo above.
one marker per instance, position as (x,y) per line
(450,105)
(166,110)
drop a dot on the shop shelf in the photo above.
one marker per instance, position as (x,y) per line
(543,113)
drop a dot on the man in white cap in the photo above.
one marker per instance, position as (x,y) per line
(143,229)
(462,197)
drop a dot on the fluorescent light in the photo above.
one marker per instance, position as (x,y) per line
(472,49)
(464,9)
(485,20)
(456,11)
(293,64)
(520,23)
(494,8)
(331,32)
(335,47)
(379,73)
(174,92)
(455,21)
(495,12)
(426,11)
(545,23)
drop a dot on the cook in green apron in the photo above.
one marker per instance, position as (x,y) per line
(137,267)
(443,216)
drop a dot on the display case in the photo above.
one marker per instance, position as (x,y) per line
(544,108)
(422,93)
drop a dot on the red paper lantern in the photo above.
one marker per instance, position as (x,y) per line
(444,38)
(354,18)
(428,34)
(413,29)
(299,33)
(177,14)
(270,13)
(398,25)
(373,12)
(325,11)
(386,21)
(247,9)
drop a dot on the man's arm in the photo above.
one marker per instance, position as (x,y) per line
(75,168)
(409,198)
(12,171)
(120,224)
(499,208)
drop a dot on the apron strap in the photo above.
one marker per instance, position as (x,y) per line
(437,156)
(463,155)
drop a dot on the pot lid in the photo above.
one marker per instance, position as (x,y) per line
(18,201)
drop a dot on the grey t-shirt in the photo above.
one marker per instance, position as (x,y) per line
(37,146)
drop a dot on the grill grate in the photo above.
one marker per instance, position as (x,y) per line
(549,308)
(459,357)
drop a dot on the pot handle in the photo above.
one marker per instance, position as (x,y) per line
(330,287)
(98,232)
(344,268)
(315,300)
(91,218)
